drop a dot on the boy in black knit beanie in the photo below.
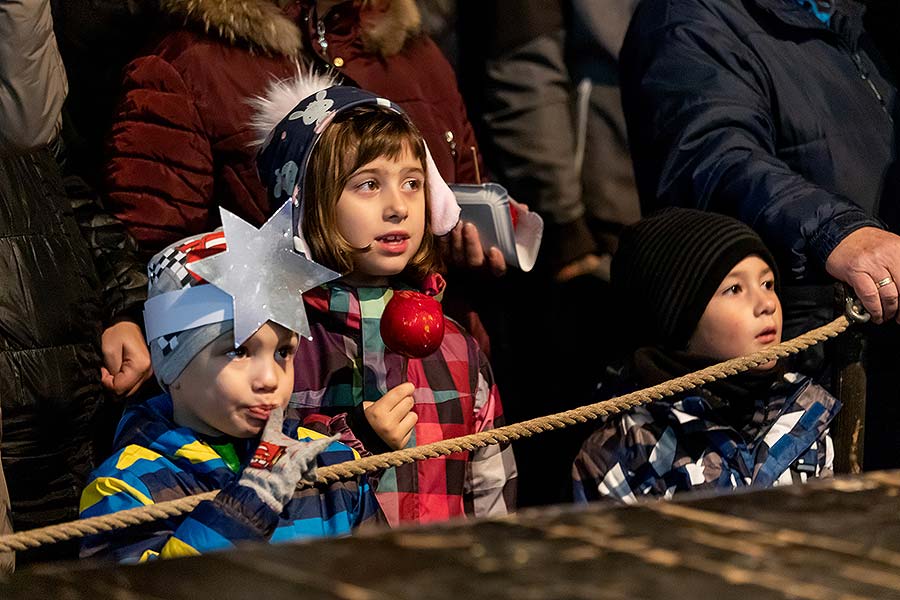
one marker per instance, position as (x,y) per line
(700,288)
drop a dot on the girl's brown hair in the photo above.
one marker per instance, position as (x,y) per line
(356,137)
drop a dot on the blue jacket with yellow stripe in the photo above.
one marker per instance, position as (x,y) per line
(156,460)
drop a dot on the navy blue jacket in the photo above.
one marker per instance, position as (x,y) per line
(756,109)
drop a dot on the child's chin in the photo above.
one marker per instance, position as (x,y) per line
(245,432)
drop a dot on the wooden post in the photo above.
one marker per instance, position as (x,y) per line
(848,429)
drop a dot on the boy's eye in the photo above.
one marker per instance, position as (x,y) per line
(286,352)
(240,352)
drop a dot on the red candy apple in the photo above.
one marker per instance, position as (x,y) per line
(412,324)
(514,215)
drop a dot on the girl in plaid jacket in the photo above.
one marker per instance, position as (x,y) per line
(370,204)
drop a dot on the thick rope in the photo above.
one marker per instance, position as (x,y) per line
(515,431)
(33,538)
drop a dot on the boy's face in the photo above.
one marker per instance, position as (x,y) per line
(743,316)
(232,390)
(382,209)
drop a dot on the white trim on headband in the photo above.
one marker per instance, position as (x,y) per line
(191,307)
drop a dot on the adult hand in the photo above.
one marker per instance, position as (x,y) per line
(463,248)
(392,417)
(869,260)
(126,361)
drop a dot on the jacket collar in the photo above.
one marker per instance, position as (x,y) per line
(345,307)
(698,413)
(259,24)
(150,424)
(847,19)
(790,12)
(385,25)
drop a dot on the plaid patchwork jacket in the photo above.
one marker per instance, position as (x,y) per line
(156,461)
(684,444)
(347,362)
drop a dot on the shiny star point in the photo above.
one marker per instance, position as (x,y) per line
(263,274)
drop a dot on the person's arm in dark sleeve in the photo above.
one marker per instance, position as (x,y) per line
(702,134)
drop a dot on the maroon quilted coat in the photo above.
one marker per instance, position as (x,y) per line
(181,141)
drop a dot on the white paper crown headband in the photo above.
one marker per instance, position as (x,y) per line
(258,278)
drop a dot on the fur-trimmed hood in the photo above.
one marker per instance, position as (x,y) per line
(386,25)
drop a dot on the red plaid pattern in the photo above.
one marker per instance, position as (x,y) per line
(347,363)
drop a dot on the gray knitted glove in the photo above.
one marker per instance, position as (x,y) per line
(280,463)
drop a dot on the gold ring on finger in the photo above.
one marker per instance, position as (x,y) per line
(883,282)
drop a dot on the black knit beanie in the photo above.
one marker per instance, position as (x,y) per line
(668,266)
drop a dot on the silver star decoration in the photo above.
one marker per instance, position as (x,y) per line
(263,274)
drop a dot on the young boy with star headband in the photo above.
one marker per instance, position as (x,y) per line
(370,204)
(222,341)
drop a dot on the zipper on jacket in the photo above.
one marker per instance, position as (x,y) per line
(865,76)
(323,43)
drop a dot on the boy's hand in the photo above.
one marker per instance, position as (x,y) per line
(280,463)
(392,417)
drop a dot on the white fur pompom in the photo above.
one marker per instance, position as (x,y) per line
(281,97)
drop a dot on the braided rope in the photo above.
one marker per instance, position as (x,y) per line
(501,435)
(507,433)
(117,520)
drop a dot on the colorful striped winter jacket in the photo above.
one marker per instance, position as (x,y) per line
(681,444)
(157,461)
(346,363)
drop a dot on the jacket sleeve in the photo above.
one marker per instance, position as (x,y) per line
(702,133)
(601,469)
(352,427)
(367,513)
(235,514)
(530,101)
(159,177)
(363,510)
(33,83)
(490,486)
(122,274)
(469,166)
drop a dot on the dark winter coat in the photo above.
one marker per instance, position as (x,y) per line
(52,312)
(67,270)
(756,109)
(181,143)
